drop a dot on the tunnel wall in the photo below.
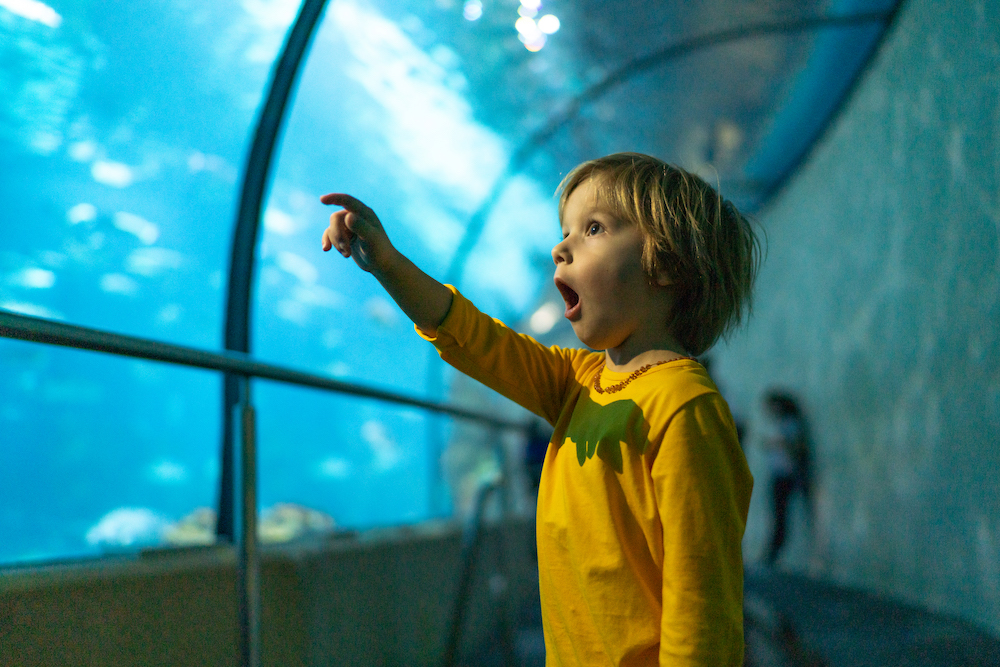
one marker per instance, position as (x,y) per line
(878,306)
(379,599)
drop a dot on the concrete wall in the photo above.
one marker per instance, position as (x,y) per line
(878,305)
(383,599)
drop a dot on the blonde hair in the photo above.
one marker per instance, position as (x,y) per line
(707,249)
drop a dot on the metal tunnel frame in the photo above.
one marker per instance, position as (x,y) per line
(236,387)
(242,257)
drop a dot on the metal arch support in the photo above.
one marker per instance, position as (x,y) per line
(253,189)
(619,76)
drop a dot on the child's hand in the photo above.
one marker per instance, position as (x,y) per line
(356,232)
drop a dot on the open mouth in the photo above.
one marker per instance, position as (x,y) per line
(571,298)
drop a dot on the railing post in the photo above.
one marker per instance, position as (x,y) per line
(472,538)
(248,558)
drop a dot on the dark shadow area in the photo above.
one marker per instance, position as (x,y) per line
(795,621)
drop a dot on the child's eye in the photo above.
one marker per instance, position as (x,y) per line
(594,228)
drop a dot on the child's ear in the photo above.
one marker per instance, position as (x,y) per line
(663,279)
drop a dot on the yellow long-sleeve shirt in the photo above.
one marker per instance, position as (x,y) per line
(642,503)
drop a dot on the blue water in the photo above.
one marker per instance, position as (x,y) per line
(123,132)
(122,139)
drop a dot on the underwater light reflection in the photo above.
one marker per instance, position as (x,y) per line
(33,10)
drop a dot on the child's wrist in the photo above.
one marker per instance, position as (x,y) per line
(388,266)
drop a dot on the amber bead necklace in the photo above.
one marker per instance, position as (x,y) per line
(633,375)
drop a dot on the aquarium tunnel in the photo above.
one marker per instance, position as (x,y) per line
(220,445)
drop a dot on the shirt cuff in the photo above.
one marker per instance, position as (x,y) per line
(448,319)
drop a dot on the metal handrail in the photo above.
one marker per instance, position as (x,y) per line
(40,330)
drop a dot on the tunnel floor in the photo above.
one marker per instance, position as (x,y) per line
(794,621)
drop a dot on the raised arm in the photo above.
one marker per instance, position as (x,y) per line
(355,231)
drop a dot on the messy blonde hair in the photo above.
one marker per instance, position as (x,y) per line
(707,249)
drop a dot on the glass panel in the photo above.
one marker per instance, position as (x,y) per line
(719,105)
(382,113)
(101,453)
(749,108)
(122,134)
(363,463)
(418,108)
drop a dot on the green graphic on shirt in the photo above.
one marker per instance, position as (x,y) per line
(600,429)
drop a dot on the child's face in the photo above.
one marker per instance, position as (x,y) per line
(610,301)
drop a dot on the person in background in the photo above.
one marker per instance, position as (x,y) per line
(788,459)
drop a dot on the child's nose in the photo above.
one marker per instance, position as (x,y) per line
(560,253)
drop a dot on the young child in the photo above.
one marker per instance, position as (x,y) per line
(644,492)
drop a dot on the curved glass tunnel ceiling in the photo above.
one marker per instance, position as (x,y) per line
(122,142)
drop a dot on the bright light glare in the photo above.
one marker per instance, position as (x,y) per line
(34,11)
(142,229)
(169,472)
(36,278)
(335,467)
(82,212)
(473,10)
(117,283)
(526,26)
(31,309)
(429,124)
(279,222)
(153,261)
(431,129)
(81,151)
(298,266)
(529,34)
(548,24)
(272,14)
(527,12)
(531,4)
(543,319)
(115,174)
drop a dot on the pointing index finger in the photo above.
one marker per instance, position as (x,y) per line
(346,201)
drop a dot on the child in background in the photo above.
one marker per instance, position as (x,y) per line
(644,492)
